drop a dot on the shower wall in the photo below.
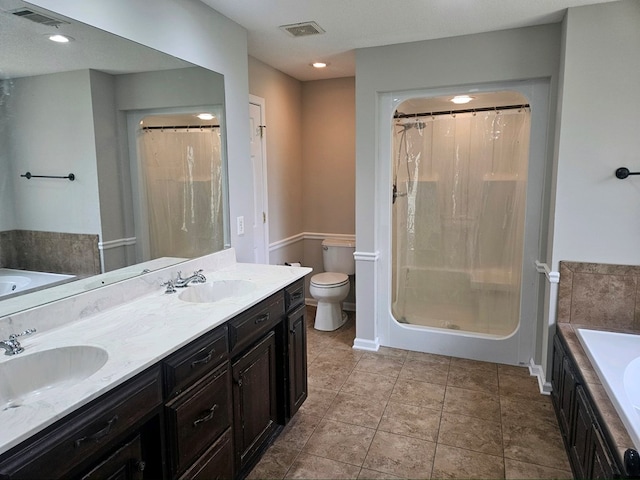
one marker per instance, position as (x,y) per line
(457,217)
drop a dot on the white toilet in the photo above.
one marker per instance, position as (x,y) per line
(332,287)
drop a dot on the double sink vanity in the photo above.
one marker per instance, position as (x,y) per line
(131,382)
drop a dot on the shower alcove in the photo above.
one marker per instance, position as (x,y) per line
(456,273)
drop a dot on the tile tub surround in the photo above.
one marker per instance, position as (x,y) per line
(136,323)
(402,414)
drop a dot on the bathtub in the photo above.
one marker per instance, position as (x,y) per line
(616,359)
(14,282)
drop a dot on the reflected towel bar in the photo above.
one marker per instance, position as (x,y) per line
(623,172)
(28,176)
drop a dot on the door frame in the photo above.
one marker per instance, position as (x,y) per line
(264,201)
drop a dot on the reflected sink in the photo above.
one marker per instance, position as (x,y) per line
(216,290)
(26,378)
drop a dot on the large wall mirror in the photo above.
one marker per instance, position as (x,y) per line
(112,154)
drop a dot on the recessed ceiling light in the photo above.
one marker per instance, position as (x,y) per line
(319,64)
(58,38)
(459,99)
(206,116)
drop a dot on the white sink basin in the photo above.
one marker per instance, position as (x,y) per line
(27,378)
(216,290)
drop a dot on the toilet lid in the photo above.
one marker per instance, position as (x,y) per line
(329,279)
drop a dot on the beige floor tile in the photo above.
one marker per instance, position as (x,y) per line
(473,378)
(327,377)
(516,370)
(410,420)
(431,373)
(380,364)
(527,411)
(340,441)
(318,401)
(452,462)
(373,475)
(472,403)
(541,445)
(399,455)
(471,433)
(312,467)
(466,364)
(513,385)
(357,409)
(368,384)
(429,395)
(429,357)
(274,463)
(393,352)
(520,470)
(298,431)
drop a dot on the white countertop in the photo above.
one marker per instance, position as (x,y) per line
(136,334)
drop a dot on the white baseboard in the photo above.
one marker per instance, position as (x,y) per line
(536,370)
(369,345)
(347,306)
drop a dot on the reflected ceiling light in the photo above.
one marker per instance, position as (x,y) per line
(319,64)
(58,38)
(206,116)
(460,99)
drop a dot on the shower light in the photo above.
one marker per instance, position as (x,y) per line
(58,38)
(206,116)
(460,99)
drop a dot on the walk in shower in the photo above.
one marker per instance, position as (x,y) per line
(180,181)
(459,179)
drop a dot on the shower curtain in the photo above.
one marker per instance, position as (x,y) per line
(459,184)
(182,172)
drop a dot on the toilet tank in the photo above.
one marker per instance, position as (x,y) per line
(337,255)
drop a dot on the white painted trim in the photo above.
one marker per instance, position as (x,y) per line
(121,242)
(552,277)
(308,236)
(366,256)
(537,371)
(346,306)
(261,102)
(286,242)
(369,345)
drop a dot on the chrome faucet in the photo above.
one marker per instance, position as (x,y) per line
(12,346)
(197,277)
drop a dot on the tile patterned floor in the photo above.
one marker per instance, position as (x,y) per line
(400,414)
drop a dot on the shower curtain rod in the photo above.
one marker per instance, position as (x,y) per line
(465,110)
(175,127)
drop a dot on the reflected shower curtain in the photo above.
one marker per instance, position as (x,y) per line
(459,185)
(182,172)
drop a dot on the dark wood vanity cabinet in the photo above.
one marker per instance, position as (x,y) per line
(207,411)
(111,437)
(587,446)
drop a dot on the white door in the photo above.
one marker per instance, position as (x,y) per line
(259,223)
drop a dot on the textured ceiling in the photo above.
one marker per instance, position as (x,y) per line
(352,24)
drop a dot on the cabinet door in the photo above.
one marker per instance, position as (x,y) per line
(603,465)
(254,399)
(581,443)
(556,375)
(297,353)
(216,463)
(567,400)
(125,464)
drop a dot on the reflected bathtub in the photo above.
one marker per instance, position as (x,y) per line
(616,359)
(16,282)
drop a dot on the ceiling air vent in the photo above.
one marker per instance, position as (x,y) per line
(302,29)
(38,17)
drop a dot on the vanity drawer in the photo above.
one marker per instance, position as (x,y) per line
(195,360)
(214,464)
(294,295)
(92,431)
(198,416)
(252,324)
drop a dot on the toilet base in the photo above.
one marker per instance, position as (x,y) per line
(329,316)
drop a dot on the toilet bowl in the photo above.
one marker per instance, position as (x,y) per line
(332,287)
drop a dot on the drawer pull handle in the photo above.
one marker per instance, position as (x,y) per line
(296,296)
(99,434)
(262,318)
(204,360)
(207,417)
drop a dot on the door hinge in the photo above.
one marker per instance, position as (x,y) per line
(264,217)
(262,128)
